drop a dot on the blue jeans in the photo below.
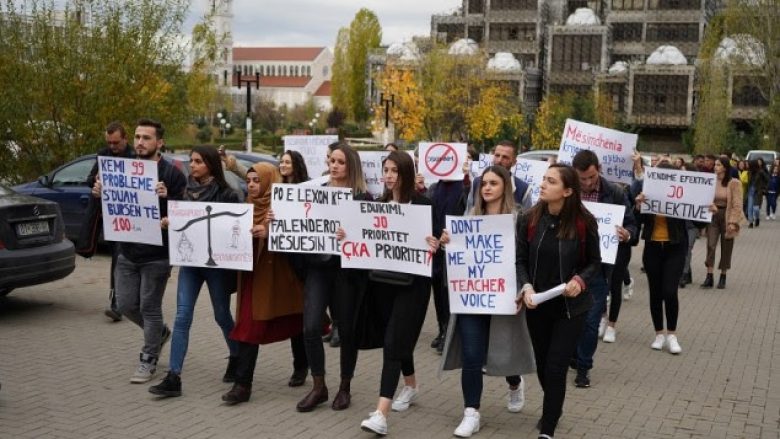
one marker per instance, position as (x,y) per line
(589,339)
(190,281)
(474,331)
(753,209)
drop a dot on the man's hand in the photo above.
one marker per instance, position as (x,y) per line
(623,234)
(97,188)
(161,190)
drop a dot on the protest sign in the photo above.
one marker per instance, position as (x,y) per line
(306,218)
(210,235)
(531,172)
(478,166)
(442,161)
(314,150)
(387,236)
(131,208)
(371,162)
(607,217)
(679,194)
(481,264)
(614,148)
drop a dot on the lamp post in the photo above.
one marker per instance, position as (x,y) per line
(225,125)
(387,103)
(313,123)
(248,81)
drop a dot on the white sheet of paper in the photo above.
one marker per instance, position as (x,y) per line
(544,296)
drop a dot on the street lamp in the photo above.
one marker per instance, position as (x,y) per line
(248,82)
(387,103)
(225,126)
(314,122)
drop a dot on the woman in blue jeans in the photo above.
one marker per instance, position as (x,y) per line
(757,185)
(206,182)
(500,343)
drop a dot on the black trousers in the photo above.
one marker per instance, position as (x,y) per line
(441,298)
(554,338)
(664,266)
(247,360)
(619,272)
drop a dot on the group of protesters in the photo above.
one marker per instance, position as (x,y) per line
(287,296)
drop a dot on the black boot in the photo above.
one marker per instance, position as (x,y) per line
(170,386)
(335,340)
(237,394)
(722,281)
(230,372)
(689,277)
(757,221)
(708,281)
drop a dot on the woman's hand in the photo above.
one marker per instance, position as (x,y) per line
(445,238)
(572,289)
(713,208)
(164,223)
(639,200)
(161,190)
(519,302)
(259,231)
(527,297)
(269,216)
(341,234)
(732,227)
(433,243)
(419,182)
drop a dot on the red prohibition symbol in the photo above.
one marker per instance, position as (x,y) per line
(438,166)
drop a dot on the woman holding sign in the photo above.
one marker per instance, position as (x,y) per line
(327,284)
(270,297)
(206,182)
(398,301)
(499,343)
(557,246)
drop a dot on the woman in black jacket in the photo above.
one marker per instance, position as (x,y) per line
(557,244)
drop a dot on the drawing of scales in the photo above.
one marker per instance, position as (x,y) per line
(208,218)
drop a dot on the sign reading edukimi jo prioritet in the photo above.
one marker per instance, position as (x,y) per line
(679,194)
(481,264)
(131,208)
(306,218)
(387,236)
(613,148)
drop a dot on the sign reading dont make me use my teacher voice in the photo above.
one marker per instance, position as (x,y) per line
(481,264)
(131,208)
(679,194)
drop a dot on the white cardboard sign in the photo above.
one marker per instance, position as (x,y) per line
(314,150)
(210,235)
(387,236)
(131,208)
(306,218)
(442,161)
(481,264)
(614,148)
(531,172)
(679,194)
(608,216)
(371,162)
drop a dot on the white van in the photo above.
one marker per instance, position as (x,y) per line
(768,156)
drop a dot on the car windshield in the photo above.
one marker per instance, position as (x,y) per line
(5,190)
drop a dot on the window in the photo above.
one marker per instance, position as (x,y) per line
(476,6)
(673,32)
(628,5)
(664,94)
(512,32)
(513,5)
(674,4)
(746,94)
(576,53)
(627,32)
(74,174)
(573,5)
(476,33)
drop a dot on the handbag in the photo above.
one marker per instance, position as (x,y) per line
(89,234)
(391,277)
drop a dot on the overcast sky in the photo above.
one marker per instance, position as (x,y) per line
(316,22)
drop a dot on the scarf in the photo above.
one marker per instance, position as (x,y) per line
(205,191)
(268,175)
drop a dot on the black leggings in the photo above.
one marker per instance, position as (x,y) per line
(619,271)
(247,359)
(554,338)
(664,266)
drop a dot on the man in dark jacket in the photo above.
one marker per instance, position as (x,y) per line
(597,189)
(505,155)
(142,270)
(116,146)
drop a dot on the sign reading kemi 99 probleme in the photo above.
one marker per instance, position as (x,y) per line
(387,236)
(481,264)
(210,235)
(679,194)
(131,208)
(306,218)
(613,148)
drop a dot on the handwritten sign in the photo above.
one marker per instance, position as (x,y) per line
(306,218)
(442,161)
(478,166)
(314,150)
(481,264)
(607,217)
(131,208)
(387,236)
(614,148)
(679,194)
(531,172)
(371,162)
(211,235)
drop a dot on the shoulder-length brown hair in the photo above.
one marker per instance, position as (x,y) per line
(508,197)
(354,169)
(572,205)
(405,166)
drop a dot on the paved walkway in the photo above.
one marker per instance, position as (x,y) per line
(65,371)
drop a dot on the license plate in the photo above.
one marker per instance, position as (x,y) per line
(32,228)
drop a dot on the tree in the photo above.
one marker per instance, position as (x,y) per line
(365,34)
(67,73)
(340,72)
(491,112)
(550,120)
(408,108)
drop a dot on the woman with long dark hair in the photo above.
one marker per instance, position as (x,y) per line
(557,243)
(206,182)
(400,306)
(757,183)
(327,284)
(499,343)
(293,168)
(725,223)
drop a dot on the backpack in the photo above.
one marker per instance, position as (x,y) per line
(579,224)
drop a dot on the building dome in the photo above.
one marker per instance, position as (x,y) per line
(618,67)
(667,55)
(404,51)
(464,46)
(504,62)
(741,48)
(583,17)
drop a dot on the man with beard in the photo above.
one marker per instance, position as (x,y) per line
(142,270)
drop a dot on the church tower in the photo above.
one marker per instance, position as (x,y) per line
(222,13)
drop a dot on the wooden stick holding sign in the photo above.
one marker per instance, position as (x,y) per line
(679,194)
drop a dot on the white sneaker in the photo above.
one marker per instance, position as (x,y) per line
(469,425)
(516,398)
(628,290)
(673,344)
(407,396)
(772,216)
(144,373)
(768,218)
(659,342)
(602,326)
(376,423)
(609,335)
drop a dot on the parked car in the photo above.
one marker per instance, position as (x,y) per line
(67,186)
(768,156)
(33,247)
(539,154)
